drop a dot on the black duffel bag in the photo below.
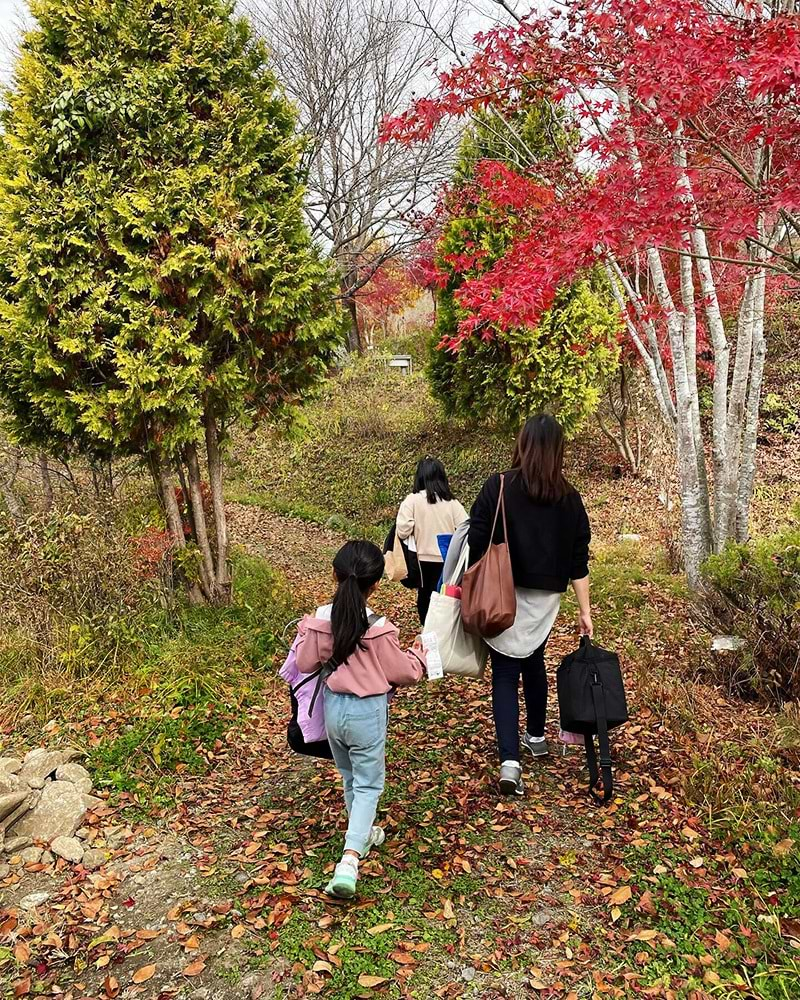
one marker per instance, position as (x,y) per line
(591,700)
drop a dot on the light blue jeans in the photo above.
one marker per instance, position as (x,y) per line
(357,734)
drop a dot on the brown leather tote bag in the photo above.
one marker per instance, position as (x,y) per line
(488,599)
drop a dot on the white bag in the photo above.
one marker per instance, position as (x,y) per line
(461,653)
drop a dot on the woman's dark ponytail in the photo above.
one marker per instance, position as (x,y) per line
(358,566)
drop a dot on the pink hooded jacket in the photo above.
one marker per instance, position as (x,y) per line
(375,669)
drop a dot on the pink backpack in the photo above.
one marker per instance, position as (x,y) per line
(306,731)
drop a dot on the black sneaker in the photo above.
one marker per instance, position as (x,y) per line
(538,748)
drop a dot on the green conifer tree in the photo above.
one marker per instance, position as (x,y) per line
(158,279)
(564,363)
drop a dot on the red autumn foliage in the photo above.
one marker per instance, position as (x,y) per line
(682,111)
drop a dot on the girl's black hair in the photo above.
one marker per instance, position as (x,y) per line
(358,565)
(432,478)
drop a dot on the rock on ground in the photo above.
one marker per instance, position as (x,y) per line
(40,766)
(11,801)
(14,844)
(77,774)
(57,814)
(94,858)
(33,899)
(69,848)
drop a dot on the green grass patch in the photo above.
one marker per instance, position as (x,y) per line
(353,454)
(709,937)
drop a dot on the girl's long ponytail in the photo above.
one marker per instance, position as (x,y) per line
(358,566)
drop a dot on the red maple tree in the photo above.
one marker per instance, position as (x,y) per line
(685,187)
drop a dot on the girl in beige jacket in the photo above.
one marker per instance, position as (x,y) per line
(430,511)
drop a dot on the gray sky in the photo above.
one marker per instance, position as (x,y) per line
(480,14)
(12,17)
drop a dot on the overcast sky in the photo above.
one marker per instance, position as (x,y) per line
(12,16)
(480,14)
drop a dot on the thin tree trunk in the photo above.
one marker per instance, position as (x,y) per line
(350,281)
(7,489)
(166,491)
(47,483)
(620,439)
(353,336)
(161,470)
(207,574)
(187,499)
(728,488)
(750,435)
(220,518)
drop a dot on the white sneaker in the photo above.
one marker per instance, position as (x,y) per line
(345,876)
(377,835)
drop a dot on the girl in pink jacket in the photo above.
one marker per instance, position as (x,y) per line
(363,661)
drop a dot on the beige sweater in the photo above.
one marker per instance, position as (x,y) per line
(424,521)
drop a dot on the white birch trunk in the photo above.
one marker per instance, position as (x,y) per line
(744,495)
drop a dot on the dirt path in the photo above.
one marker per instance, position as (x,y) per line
(220,896)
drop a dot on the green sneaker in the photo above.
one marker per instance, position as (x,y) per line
(343,883)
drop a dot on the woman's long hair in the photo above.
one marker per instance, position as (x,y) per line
(358,565)
(432,478)
(539,459)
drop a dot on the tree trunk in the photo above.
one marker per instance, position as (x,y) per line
(166,491)
(187,499)
(354,345)
(207,574)
(621,437)
(218,499)
(7,479)
(349,282)
(160,468)
(47,483)
(744,494)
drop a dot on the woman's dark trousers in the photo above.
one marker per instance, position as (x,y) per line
(430,573)
(506,671)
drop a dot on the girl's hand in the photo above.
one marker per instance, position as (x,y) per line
(417,644)
(585,626)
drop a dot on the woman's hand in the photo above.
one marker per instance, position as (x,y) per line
(416,645)
(581,588)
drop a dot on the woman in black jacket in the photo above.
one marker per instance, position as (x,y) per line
(548,540)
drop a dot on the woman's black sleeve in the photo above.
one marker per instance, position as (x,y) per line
(480,522)
(583,536)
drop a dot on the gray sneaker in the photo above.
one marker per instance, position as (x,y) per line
(511,780)
(538,748)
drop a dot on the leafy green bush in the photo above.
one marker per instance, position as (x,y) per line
(755,594)
(779,415)
(561,366)
(503,375)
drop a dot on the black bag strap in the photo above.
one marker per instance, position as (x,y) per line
(327,669)
(599,699)
(306,680)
